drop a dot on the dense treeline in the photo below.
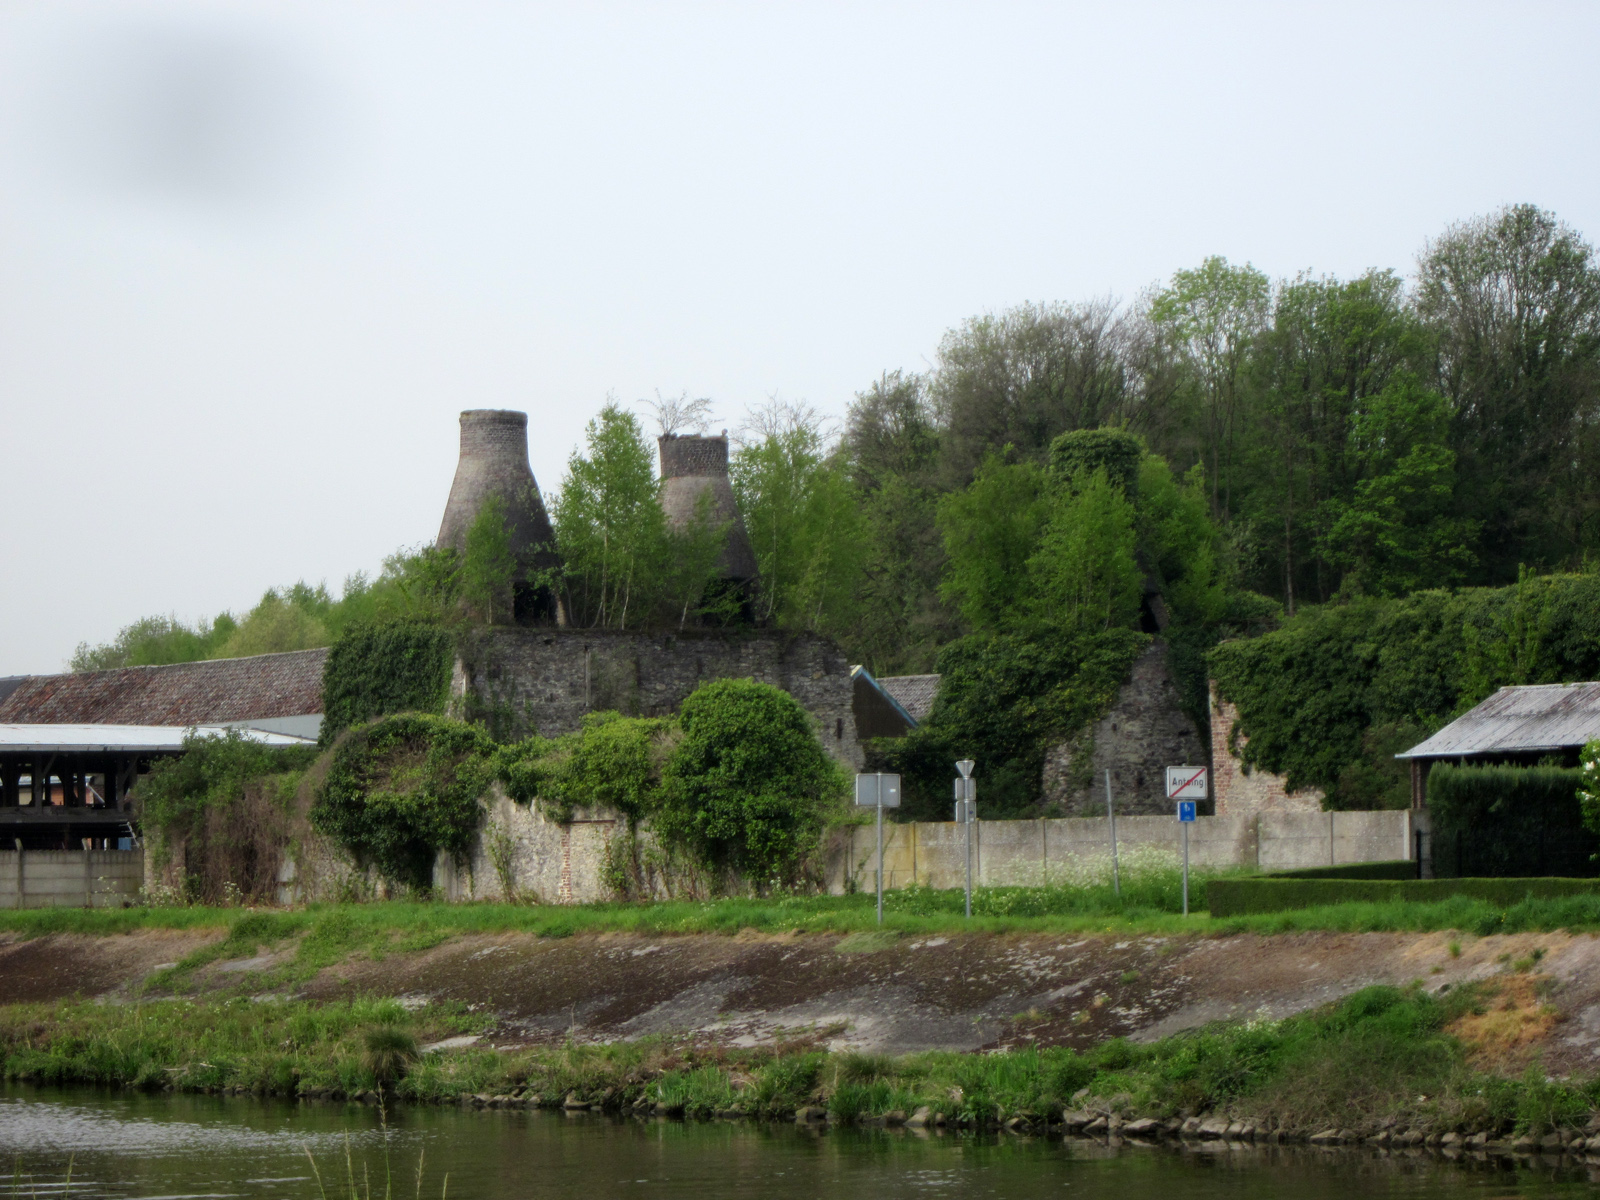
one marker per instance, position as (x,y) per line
(1278,445)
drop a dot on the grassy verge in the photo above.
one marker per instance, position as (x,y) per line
(326,931)
(1384,1058)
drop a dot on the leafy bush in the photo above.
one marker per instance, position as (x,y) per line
(224,805)
(1508,821)
(613,762)
(748,787)
(402,789)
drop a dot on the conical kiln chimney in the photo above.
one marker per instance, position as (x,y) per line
(692,466)
(494,462)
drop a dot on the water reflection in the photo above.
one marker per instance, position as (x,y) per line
(178,1148)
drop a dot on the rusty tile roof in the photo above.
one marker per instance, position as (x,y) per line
(1550,716)
(198,693)
(914,693)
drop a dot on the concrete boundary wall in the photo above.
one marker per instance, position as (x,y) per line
(1012,853)
(70,878)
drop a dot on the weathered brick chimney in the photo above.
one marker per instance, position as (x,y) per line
(692,466)
(494,462)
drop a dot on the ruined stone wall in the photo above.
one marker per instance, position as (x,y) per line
(1245,791)
(522,856)
(544,680)
(1144,732)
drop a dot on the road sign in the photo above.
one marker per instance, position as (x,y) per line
(965,766)
(966,812)
(1186,783)
(1185,819)
(1185,810)
(878,791)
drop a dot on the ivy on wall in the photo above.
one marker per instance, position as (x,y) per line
(375,669)
(1329,698)
(404,788)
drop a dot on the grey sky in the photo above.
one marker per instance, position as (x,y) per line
(255,258)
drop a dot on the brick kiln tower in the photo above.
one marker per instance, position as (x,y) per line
(494,462)
(693,466)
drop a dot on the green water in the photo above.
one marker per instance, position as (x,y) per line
(165,1148)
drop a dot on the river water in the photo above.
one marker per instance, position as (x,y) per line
(91,1145)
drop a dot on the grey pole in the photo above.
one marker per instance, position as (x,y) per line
(1111,814)
(880,859)
(967,820)
(1186,868)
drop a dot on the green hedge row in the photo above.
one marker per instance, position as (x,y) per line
(1236,897)
(1402,868)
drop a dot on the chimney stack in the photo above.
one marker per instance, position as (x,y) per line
(494,462)
(691,466)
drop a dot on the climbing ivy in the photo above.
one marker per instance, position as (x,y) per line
(401,789)
(375,669)
(1331,696)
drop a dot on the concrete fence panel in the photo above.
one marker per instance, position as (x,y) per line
(70,878)
(1077,849)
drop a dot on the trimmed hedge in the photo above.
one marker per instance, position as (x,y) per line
(1402,868)
(1508,821)
(1236,897)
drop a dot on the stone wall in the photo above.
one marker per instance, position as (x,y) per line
(544,680)
(521,856)
(1241,790)
(1145,732)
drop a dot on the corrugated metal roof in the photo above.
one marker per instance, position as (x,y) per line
(122,739)
(914,693)
(1520,720)
(215,691)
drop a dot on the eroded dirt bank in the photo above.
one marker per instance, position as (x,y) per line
(865,991)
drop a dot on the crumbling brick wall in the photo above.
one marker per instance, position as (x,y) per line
(1242,790)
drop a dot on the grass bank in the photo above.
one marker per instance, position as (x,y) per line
(1384,1059)
(327,930)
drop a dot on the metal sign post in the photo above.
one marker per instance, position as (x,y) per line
(1186,819)
(1111,815)
(966,814)
(1186,785)
(880,792)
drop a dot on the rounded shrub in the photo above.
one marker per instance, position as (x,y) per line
(402,789)
(748,787)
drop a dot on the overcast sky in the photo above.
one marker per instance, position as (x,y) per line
(254,259)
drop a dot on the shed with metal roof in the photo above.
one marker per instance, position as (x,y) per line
(1525,723)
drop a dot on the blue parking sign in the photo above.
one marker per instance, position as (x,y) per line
(1185,810)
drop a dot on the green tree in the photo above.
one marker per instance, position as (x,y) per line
(1213,315)
(487,565)
(1398,531)
(1026,375)
(803,519)
(610,527)
(1084,576)
(1514,300)
(991,530)
(891,449)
